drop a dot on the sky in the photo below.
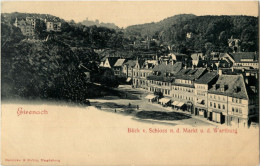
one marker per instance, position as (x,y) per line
(125,13)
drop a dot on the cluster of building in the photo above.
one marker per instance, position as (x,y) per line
(28,25)
(226,95)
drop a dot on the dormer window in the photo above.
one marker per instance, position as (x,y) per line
(217,86)
(238,89)
(225,87)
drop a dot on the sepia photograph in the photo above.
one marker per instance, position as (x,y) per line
(130,83)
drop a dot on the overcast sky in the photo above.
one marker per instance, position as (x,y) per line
(125,13)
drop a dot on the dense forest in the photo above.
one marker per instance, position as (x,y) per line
(206,32)
(48,65)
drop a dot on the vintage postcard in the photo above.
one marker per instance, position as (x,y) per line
(129,83)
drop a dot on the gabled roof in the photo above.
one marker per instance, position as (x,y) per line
(196,56)
(231,82)
(130,63)
(112,60)
(206,78)
(119,63)
(140,62)
(244,55)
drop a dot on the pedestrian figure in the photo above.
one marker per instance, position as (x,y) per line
(115,110)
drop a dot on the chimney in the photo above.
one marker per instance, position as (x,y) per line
(220,72)
(246,80)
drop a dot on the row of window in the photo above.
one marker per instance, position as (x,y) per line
(236,100)
(164,91)
(179,96)
(160,83)
(236,110)
(218,106)
(184,81)
(200,87)
(217,97)
(141,74)
(201,94)
(247,64)
(183,89)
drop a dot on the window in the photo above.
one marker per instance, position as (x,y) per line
(214,105)
(240,101)
(233,109)
(210,104)
(236,110)
(219,106)
(240,110)
(223,107)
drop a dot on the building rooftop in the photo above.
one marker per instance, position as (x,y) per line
(168,68)
(112,60)
(162,69)
(119,63)
(207,78)
(190,74)
(244,57)
(230,85)
(130,63)
(196,56)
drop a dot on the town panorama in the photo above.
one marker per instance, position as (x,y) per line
(199,69)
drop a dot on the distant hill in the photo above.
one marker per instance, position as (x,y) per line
(152,29)
(99,24)
(187,32)
(10,17)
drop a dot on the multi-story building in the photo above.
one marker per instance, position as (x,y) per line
(232,101)
(162,76)
(183,88)
(53,25)
(128,69)
(27,26)
(245,60)
(141,70)
(202,85)
(118,67)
